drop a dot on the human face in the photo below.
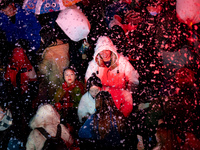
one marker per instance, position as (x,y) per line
(94,90)
(106,55)
(69,76)
(10,10)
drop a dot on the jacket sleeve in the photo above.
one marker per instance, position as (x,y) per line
(127,106)
(131,74)
(29,144)
(91,69)
(66,136)
(86,131)
(81,109)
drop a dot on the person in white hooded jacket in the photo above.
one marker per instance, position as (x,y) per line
(117,74)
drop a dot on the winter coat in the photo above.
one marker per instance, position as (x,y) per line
(69,96)
(48,118)
(118,76)
(55,59)
(19,63)
(25,27)
(88,131)
(86,106)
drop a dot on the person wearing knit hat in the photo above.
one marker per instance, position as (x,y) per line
(86,106)
(117,74)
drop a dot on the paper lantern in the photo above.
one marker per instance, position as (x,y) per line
(74,23)
(188,11)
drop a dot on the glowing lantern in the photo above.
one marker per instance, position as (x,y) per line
(74,23)
(188,11)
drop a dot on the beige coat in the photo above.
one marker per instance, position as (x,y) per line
(55,59)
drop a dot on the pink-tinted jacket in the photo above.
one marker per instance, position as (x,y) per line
(117,78)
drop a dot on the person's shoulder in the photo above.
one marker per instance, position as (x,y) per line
(85,96)
(92,62)
(122,59)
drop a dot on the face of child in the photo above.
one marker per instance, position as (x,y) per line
(106,55)
(69,76)
(94,90)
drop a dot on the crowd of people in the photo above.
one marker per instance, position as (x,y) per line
(131,83)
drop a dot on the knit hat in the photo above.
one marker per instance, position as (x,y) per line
(93,81)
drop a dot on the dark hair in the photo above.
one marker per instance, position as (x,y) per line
(70,68)
(93,81)
(48,35)
(107,114)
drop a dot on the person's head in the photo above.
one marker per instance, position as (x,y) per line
(105,55)
(8,7)
(69,75)
(93,85)
(104,102)
(105,49)
(107,112)
(48,35)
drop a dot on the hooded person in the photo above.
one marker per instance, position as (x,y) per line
(86,106)
(48,118)
(116,73)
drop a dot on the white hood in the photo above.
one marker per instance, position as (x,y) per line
(105,43)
